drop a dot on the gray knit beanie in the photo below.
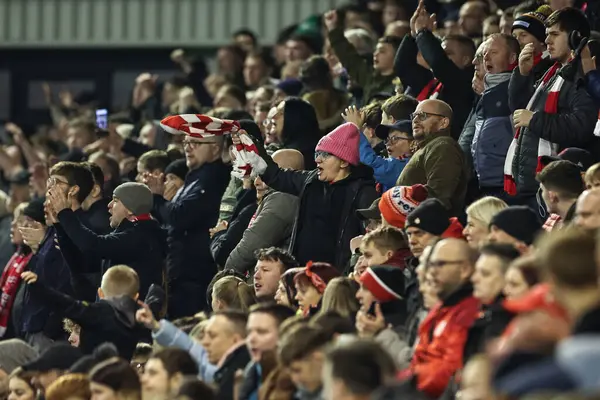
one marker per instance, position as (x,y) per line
(15,353)
(137,197)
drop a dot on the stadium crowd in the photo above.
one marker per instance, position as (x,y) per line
(397,200)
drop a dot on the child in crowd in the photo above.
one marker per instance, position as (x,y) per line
(310,285)
(111,319)
(385,246)
(592,176)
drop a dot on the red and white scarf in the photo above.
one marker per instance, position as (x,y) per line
(431,90)
(9,284)
(545,147)
(247,162)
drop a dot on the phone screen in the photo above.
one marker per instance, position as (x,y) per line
(102,118)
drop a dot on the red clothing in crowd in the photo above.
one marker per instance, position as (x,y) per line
(442,337)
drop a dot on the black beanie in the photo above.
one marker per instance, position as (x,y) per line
(533,22)
(35,210)
(178,168)
(430,216)
(520,222)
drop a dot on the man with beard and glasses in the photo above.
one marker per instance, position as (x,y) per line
(439,162)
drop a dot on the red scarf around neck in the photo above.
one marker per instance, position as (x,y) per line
(141,217)
(9,284)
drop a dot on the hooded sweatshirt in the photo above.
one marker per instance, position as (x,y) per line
(110,320)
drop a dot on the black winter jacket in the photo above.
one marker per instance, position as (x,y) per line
(572,125)
(141,245)
(111,320)
(225,375)
(456,91)
(326,219)
(189,217)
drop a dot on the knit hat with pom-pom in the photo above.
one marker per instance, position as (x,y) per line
(399,201)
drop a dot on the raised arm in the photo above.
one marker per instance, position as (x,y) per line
(358,68)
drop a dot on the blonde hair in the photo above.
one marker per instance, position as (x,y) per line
(120,280)
(340,297)
(69,386)
(486,208)
(592,174)
(234,292)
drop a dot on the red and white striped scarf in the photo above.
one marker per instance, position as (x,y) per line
(247,162)
(431,90)
(545,147)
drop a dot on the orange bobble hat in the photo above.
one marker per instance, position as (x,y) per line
(399,201)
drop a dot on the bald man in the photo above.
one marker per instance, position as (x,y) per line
(444,331)
(439,162)
(272,222)
(289,159)
(587,211)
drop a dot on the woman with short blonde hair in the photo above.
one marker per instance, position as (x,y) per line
(479,216)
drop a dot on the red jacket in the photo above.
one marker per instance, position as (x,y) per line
(442,337)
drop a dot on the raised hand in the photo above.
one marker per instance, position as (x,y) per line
(170,190)
(156,183)
(368,325)
(16,132)
(32,237)
(421,19)
(526,59)
(58,200)
(331,20)
(145,317)
(588,63)
(355,116)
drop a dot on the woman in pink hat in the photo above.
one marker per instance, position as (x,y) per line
(329,196)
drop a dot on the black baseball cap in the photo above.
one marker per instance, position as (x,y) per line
(370,213)
(383,131)
(59,356)
(580,157)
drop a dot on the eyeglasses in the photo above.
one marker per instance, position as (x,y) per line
(323,155)
(395,139)
(422,116)
(443,263)
(51,182)
(194,144)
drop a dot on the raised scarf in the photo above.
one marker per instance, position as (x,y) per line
(203,126)
(545,147)
(431,90)
(9,285)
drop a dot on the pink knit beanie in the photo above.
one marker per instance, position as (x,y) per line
(342,142)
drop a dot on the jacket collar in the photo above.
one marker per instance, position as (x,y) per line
(466,290)
(431,137)
(231,353)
